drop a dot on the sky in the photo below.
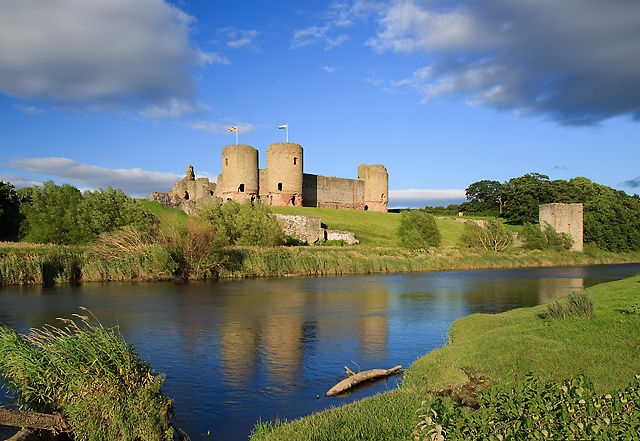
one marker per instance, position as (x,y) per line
(443,93)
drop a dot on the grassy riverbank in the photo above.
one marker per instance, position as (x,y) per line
(22,264)
(503,348)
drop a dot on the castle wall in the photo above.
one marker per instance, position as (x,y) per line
(564,218)
(332,192)
(284,174)
(376,186)
(239,179)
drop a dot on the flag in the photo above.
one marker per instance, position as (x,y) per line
(233,129)
(282,126)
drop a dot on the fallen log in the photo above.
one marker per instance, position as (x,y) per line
(24,435)
(32,420)
(358,378)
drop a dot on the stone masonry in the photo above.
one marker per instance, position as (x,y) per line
(564,218)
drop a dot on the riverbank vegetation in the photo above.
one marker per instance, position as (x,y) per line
(90,376)
(504,352)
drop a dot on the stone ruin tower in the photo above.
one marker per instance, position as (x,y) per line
(239,178)
(376,186)
(564,218)
(283,176)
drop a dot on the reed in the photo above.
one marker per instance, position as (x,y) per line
(89,375)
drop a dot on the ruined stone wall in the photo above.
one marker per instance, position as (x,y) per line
(284,175)
(186,192)
(239,179)
(332,192)
(564,218)
(376,186)
(263,186)
(305,228)
(346,236)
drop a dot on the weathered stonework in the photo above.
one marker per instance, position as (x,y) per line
(282,183)
(186,192)
(565,218)
(304,228)
(346,236)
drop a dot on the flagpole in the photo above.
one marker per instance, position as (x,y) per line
(236,135)
(287,132)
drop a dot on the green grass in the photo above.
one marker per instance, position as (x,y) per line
(89,375)
(503,347)
(168,217)
(372,228)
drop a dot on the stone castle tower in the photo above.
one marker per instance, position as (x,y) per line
(283,183)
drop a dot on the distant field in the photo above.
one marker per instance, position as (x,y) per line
(371,228)
(169,217)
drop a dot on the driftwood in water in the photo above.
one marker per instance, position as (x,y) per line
(358,378)
(32,420)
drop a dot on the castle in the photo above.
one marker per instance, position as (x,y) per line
(282,183)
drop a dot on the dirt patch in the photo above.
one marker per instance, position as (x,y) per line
(465,394)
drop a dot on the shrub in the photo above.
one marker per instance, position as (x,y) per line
(578,305)
(490,235)
(547,238)
(418,230)
(535,409)
(91,376)
(243,224)
(10,216)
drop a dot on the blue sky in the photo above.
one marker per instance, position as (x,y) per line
(444,93)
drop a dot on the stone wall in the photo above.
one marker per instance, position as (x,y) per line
(346,236)
(304,228)
(564,218)
(186,192)
(332,192)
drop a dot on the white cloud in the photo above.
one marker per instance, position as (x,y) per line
(135,181)
(103,53)
(235,38)
(575,61)
(328,69)
(421,197)
(174,108)
(308,36)
(29,110)
(220,127)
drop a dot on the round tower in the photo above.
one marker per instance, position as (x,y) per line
(239,178)
(376,186)
(284,174)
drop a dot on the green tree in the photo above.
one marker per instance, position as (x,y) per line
(10,215)
(524,195)
(484,196)
(108,210)
(418,230)
(51,213)
(243,224)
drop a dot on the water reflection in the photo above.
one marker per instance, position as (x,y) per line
(237,351)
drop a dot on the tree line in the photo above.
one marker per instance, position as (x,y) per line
(611,220)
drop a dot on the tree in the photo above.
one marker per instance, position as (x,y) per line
(523,196)
(484,195)
(418,230)
(10,215)
(491,235)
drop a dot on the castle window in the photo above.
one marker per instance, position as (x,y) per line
(366,207)
(210,193)
(279,186)
(186,195)
(295,161)
(226,161)
(241,188)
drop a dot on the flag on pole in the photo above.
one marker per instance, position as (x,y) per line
(233,129)
(282,126)
(285,127)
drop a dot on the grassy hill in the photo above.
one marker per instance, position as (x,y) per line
(169,217)
(371,228)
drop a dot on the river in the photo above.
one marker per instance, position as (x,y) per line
(238,351)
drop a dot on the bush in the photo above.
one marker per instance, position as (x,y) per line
(535,409)
(418,230)
(89,375)
(243,224)
(10,216)
(537,238)
(61,214)
(578,305)
(490,235)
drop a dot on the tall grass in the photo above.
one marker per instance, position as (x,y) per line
(89,375)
